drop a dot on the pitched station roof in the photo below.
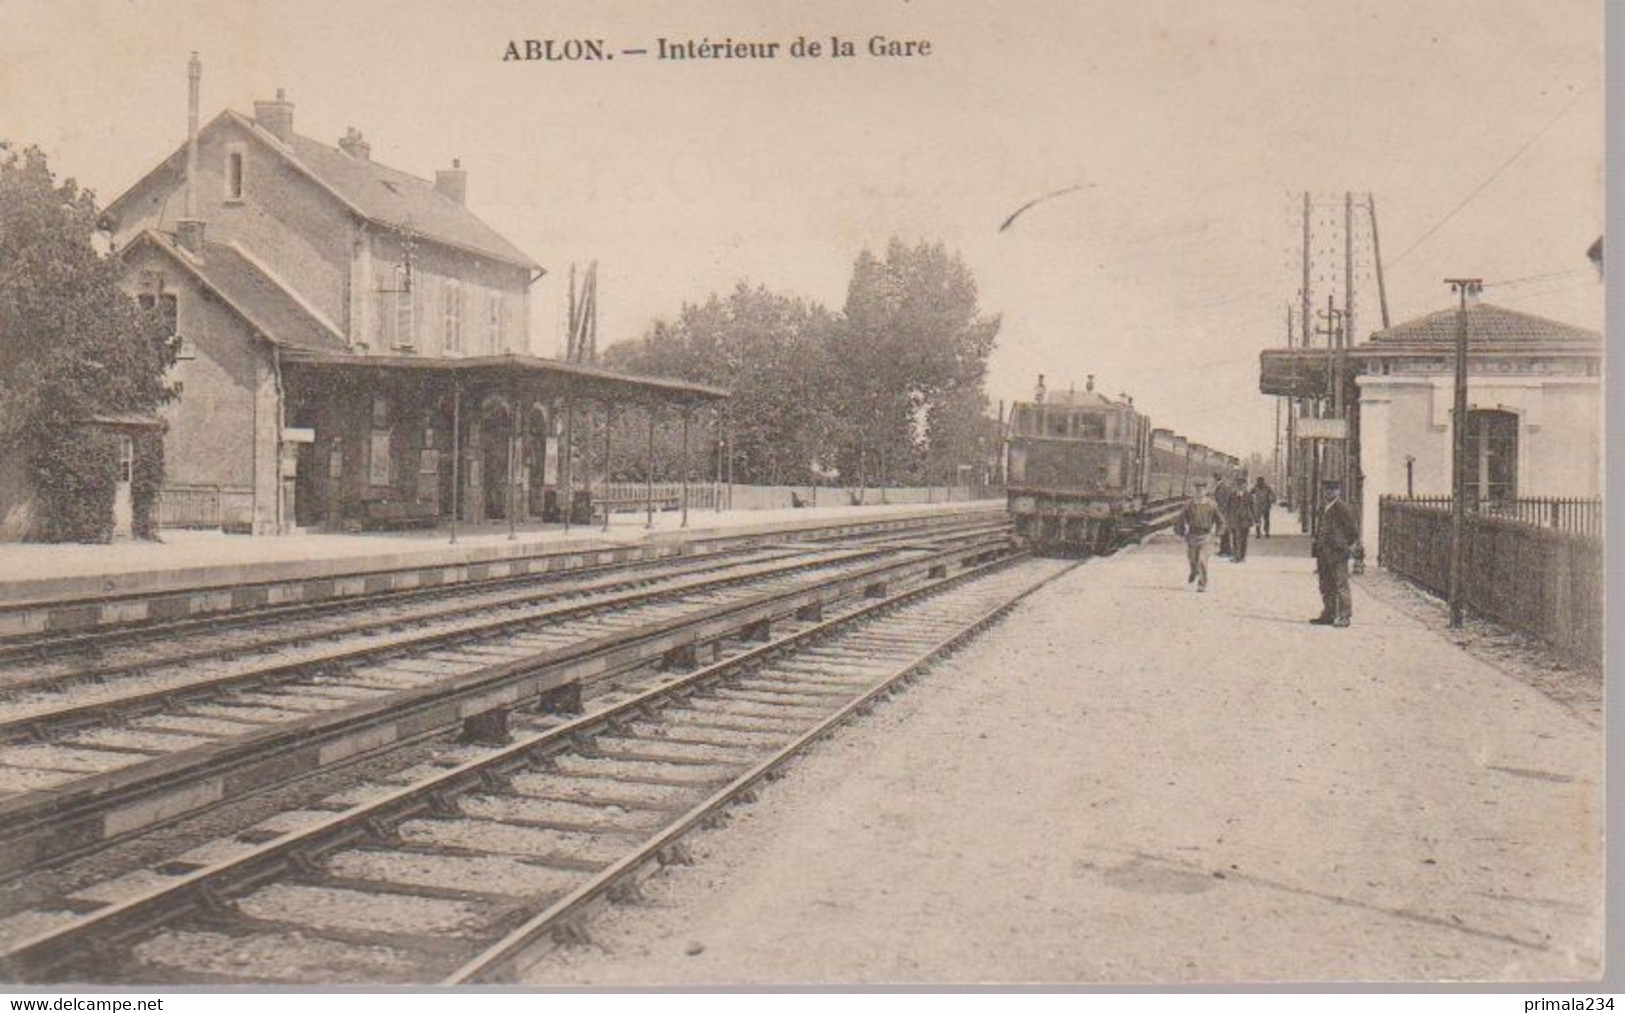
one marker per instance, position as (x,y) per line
(369,189)
(250,293)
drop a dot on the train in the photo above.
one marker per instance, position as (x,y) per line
(1084,473)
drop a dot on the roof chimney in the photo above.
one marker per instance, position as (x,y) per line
(453,182)
(1089,382)
(276,116)
(354,145)
(1039,391)
(189,230)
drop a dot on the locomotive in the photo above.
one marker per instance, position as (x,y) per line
(1086,473)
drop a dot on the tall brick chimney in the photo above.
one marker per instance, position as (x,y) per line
(354,145)
(276,116)
(453,182)
(189,229)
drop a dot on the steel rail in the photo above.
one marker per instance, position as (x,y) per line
(502,962)
(42,726)
(89,812)
(84,639)
(37,957)
(562,585)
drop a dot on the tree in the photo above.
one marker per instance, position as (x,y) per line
(770,350)
(909,363)
(73,344)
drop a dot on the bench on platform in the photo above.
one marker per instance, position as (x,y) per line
(603,507)
(381,513)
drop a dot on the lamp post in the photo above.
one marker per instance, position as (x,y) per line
(1463,287)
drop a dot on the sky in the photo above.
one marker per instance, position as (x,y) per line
(1194,128)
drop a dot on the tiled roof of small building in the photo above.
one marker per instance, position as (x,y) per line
(1486,325)
(253,295)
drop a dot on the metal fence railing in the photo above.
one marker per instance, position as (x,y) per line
(1542,575)
(189,506)
(1581,515)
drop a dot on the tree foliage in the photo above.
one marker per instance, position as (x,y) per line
(72,344)
(890,390)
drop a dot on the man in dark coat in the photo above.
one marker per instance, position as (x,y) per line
(1337,537)
(1263,500)
(1238,520)
(1221,499)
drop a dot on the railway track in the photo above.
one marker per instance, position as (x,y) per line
(471,867)
(147,748)
(25,658)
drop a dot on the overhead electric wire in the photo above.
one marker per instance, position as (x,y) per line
(1493,175)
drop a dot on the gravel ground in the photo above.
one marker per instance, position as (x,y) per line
(1127,781)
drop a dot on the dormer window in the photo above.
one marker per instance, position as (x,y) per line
(236,161)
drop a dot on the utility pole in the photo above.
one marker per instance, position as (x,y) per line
(1376,255)
(1347,337)
(1304,492)
(1333,331)
(1463,287)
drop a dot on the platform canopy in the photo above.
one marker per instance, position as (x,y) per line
(555,377)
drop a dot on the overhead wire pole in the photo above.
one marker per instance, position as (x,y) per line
(1333,317)
(1463,287)
(1345,461)
(1303,491)
(1376,255)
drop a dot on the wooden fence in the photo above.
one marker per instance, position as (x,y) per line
(1541,575)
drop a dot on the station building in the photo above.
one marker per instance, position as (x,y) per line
(353,339)
(1534,392)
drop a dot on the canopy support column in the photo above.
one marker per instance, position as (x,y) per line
(686,411)
(649,473)
(609,424)
(456,455)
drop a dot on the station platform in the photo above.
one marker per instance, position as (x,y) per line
(1126,781)
(51,587)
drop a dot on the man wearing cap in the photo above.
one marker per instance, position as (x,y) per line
(1337,537)
(1198,523)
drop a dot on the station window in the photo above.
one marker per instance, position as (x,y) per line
(1492,455)
(167,307)
(454,316)
(494,322)
(126,458)
(380,411)
(235,159)
(403,307)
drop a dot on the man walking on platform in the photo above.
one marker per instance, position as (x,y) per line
(1263,500)
(1222,492)
(1337,537)
(1198,523)
(1238,520)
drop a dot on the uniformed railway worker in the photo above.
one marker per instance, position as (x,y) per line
(1199,522)
(1337,537)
